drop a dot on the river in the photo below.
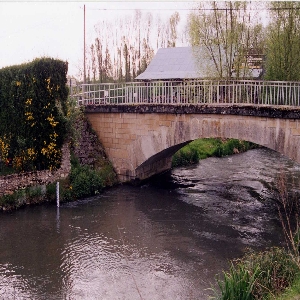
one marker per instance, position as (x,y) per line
(164,240)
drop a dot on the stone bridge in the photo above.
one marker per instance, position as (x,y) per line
(140,139)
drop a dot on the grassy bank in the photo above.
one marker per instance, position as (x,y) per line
(204,148)
(272,274)
(83,181)
(292,292)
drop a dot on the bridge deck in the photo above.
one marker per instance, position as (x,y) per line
(190,92)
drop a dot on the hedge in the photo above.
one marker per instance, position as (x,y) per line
(33,109)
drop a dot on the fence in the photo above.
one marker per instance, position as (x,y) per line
(190,92)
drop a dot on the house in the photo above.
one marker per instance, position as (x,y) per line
(180,63)
(172,64)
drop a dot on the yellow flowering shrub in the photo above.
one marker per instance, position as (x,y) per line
(33,113)
(4,148)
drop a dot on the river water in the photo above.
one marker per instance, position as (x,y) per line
(164,240)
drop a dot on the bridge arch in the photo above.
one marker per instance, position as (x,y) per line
(140,141)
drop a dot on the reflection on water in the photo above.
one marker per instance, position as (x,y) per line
(164,240)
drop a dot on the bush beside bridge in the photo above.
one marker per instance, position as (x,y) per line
(33,114)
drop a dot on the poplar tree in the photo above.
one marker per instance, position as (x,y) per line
(123,49)
(173,22)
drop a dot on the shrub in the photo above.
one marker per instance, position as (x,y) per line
(51,192)
(85,181)
(14,200)
(108,175)
(33,109)
(232,146)
(258,275)
(34,192)
(277,270)
(185,157)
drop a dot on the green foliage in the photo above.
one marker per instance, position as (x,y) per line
(13,200)
(293,292)
(185,157)
(33,109)
(283,41)
(85,181)
(223,32)
(9,199)
(260,275)
(5,169)
(231,146)
(237,283)
(203,148)
(34,192)
(107,174)
(277,271)
(51,192)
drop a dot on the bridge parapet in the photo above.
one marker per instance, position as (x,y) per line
(190,92)
(268,111)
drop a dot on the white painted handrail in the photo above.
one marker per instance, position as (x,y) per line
(190,92)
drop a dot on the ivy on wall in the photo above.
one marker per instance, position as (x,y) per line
(33,110)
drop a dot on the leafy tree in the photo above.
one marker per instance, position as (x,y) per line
(283,41)
(221,31)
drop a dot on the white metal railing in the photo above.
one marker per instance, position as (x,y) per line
(190,92)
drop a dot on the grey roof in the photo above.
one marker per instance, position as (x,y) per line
(185,63)
(172,63)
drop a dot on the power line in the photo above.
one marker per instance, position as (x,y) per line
(197,9)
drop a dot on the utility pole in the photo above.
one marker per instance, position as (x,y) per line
(84,72)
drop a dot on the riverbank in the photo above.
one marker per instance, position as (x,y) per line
(271,274)
(85,171)
(204,148)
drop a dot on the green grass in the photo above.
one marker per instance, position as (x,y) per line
(293,292)
(237,283)
(204,148)
(6,170)
(262,275)
(83,181)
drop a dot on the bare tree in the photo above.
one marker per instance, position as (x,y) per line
(123,49)
(173,22)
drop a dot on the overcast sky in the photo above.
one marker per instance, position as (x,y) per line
(55,29)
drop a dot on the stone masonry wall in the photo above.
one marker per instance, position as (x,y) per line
(139,139)
(87,147)
(10,183)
